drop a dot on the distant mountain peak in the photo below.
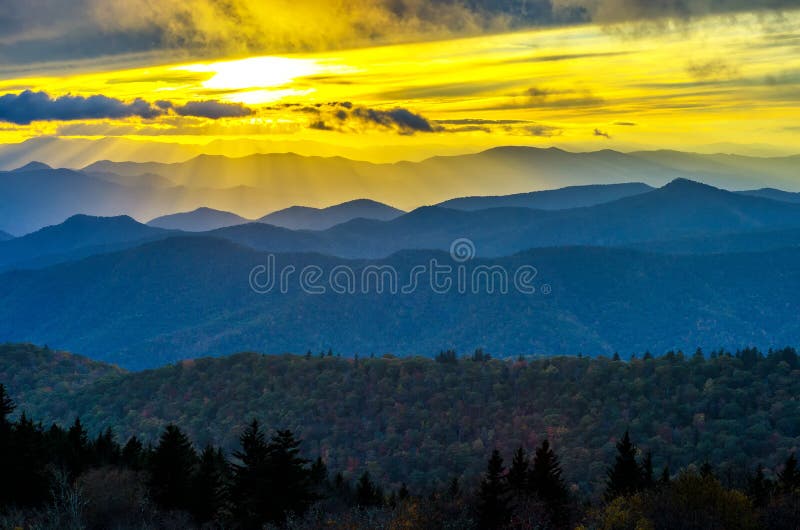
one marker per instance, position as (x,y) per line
(33,166)
(684,184)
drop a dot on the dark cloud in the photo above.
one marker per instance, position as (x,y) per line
(61,30)
(29,106)
(711,69)
(476,121)
(603,134)
(213,110)
(625,123)
(345,116)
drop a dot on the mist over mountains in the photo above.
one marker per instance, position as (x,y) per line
(663,268)
(255,185)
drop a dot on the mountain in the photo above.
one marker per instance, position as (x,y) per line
(200,220)
(189,297)
(681,209)
(5,236)
(407,185)
(751,241)
(306,218)
(253,184)
(772,193)
(78,236)
(558,199)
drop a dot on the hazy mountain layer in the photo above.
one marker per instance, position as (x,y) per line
(199,220)
(306,218)
(190,297)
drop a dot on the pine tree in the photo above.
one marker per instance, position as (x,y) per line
(518,472)
(625,477)
(105,449)
(367,493)
(546,482)
(759,487)
(78,450)
(133,454)
(208,485)
(789,476)
(6,409)
(172,467)
(493,503)
(294,491)
(250,480)
(648,480)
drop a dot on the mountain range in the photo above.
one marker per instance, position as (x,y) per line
(189,297)
(255,184)
(200,220)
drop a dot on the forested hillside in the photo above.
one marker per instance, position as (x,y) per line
(421,421)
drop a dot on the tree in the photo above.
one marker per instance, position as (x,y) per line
(6,408)
(493,504)
(208,484)
(518,472)
(133,454)
(77,450)
(271,481)
(172,467)
(625,476)
(789,476)
(367,493)
(547,484)
(648,479)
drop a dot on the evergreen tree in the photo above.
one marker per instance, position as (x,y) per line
(105,449)
(547,484)
(77,450)
(367,493)
(493,504)
(518,472)
(789,476)
(271,481)
(172,468)
(133,455)
(665,479)
(625,476)
(294,489)
(208,484)
(6,457)
(648,480)
(6,409)
(759,487)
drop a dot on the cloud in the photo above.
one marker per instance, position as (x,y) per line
(711,69)
(56,30)
(625,123)
(213,110)
(29,106)
(603,134)
(347,117)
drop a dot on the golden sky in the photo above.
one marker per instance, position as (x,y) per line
(719,82)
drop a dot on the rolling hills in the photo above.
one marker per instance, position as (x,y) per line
(422,422)
(189,297)
(77,237)
(307,218)
(557,199)
(200,220)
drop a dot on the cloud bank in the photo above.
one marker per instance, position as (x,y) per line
(29,106)
(47,30)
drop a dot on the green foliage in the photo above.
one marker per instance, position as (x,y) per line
(423,422)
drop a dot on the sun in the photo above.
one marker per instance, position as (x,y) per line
(264,79)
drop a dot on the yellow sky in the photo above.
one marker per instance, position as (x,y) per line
(709,82)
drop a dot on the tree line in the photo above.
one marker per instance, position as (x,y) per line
(58,477)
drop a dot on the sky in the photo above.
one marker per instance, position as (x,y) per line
(394,79)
